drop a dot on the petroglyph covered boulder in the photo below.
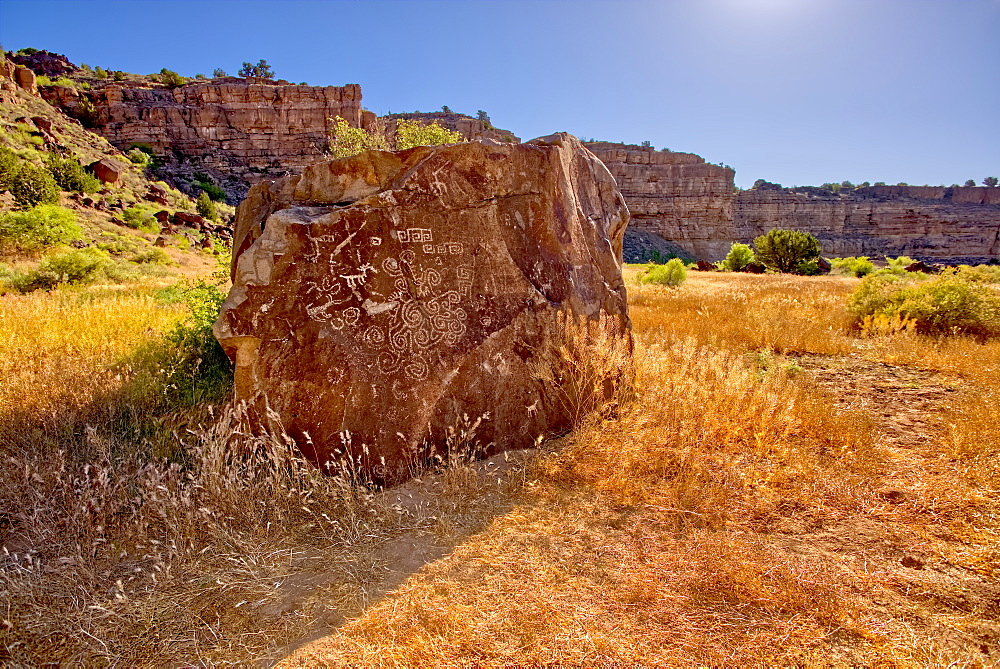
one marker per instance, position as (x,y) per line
(388,303)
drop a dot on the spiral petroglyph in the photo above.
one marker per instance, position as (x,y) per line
(393,316)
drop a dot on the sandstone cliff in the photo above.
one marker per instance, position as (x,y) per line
(233,125)
(677,196)
(933,223)
(693,204)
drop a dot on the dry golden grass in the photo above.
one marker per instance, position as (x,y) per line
(743,508)
(58,350)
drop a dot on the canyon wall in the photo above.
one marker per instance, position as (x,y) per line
(932,223)
(677,196)
(241,131)
(249,128)
(693,204)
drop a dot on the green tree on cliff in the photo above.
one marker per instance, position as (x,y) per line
(991,182)
(969,183)
(261,70)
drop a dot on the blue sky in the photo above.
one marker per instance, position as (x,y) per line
(793,91)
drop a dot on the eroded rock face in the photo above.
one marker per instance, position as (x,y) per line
(234,125)
(386,301)
(677,196)
(931,223)
(691,203)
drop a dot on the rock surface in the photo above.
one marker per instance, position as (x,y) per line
(232,125)
(677,196)
(107,170)
(389,303)
(693,204)
(929,223)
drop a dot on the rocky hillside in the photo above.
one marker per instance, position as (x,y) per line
(73,208)
(235,132)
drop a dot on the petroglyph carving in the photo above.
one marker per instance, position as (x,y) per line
(391,317)
(414,236)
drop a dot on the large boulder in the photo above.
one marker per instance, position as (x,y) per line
(388,305)
(107,170)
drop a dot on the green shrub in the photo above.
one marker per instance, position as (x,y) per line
(39,227)
(739,256)
(32,185)
(856,266)
(979,273)
(948,304)
(171,78)
(213,191)
(204,371)
(8,165)
(70,175)
(153,256)
(42,80)
(410,133)
(141,217)
(899,264)
(672,274)
(808,268)
(140,158)
(346,140)
(75,266)
(206,207)
(786,250)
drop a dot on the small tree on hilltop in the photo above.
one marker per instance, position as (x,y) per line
(991,181)
(261,70)
(969,183)
(219,72)
(484,118)
(171,78)
(785,250)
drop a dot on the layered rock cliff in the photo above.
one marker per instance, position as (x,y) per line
(244,127)
(933,223)
(677,196)
(693,204)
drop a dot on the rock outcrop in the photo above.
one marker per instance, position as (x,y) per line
(44,62)
(14,77)
(693,205)
(233,125)
(930,223)
(389,304)
(677,196)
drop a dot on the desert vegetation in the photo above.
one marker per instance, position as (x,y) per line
(346,140)
(789,482)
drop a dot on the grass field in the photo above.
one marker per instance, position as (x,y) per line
(780,490)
